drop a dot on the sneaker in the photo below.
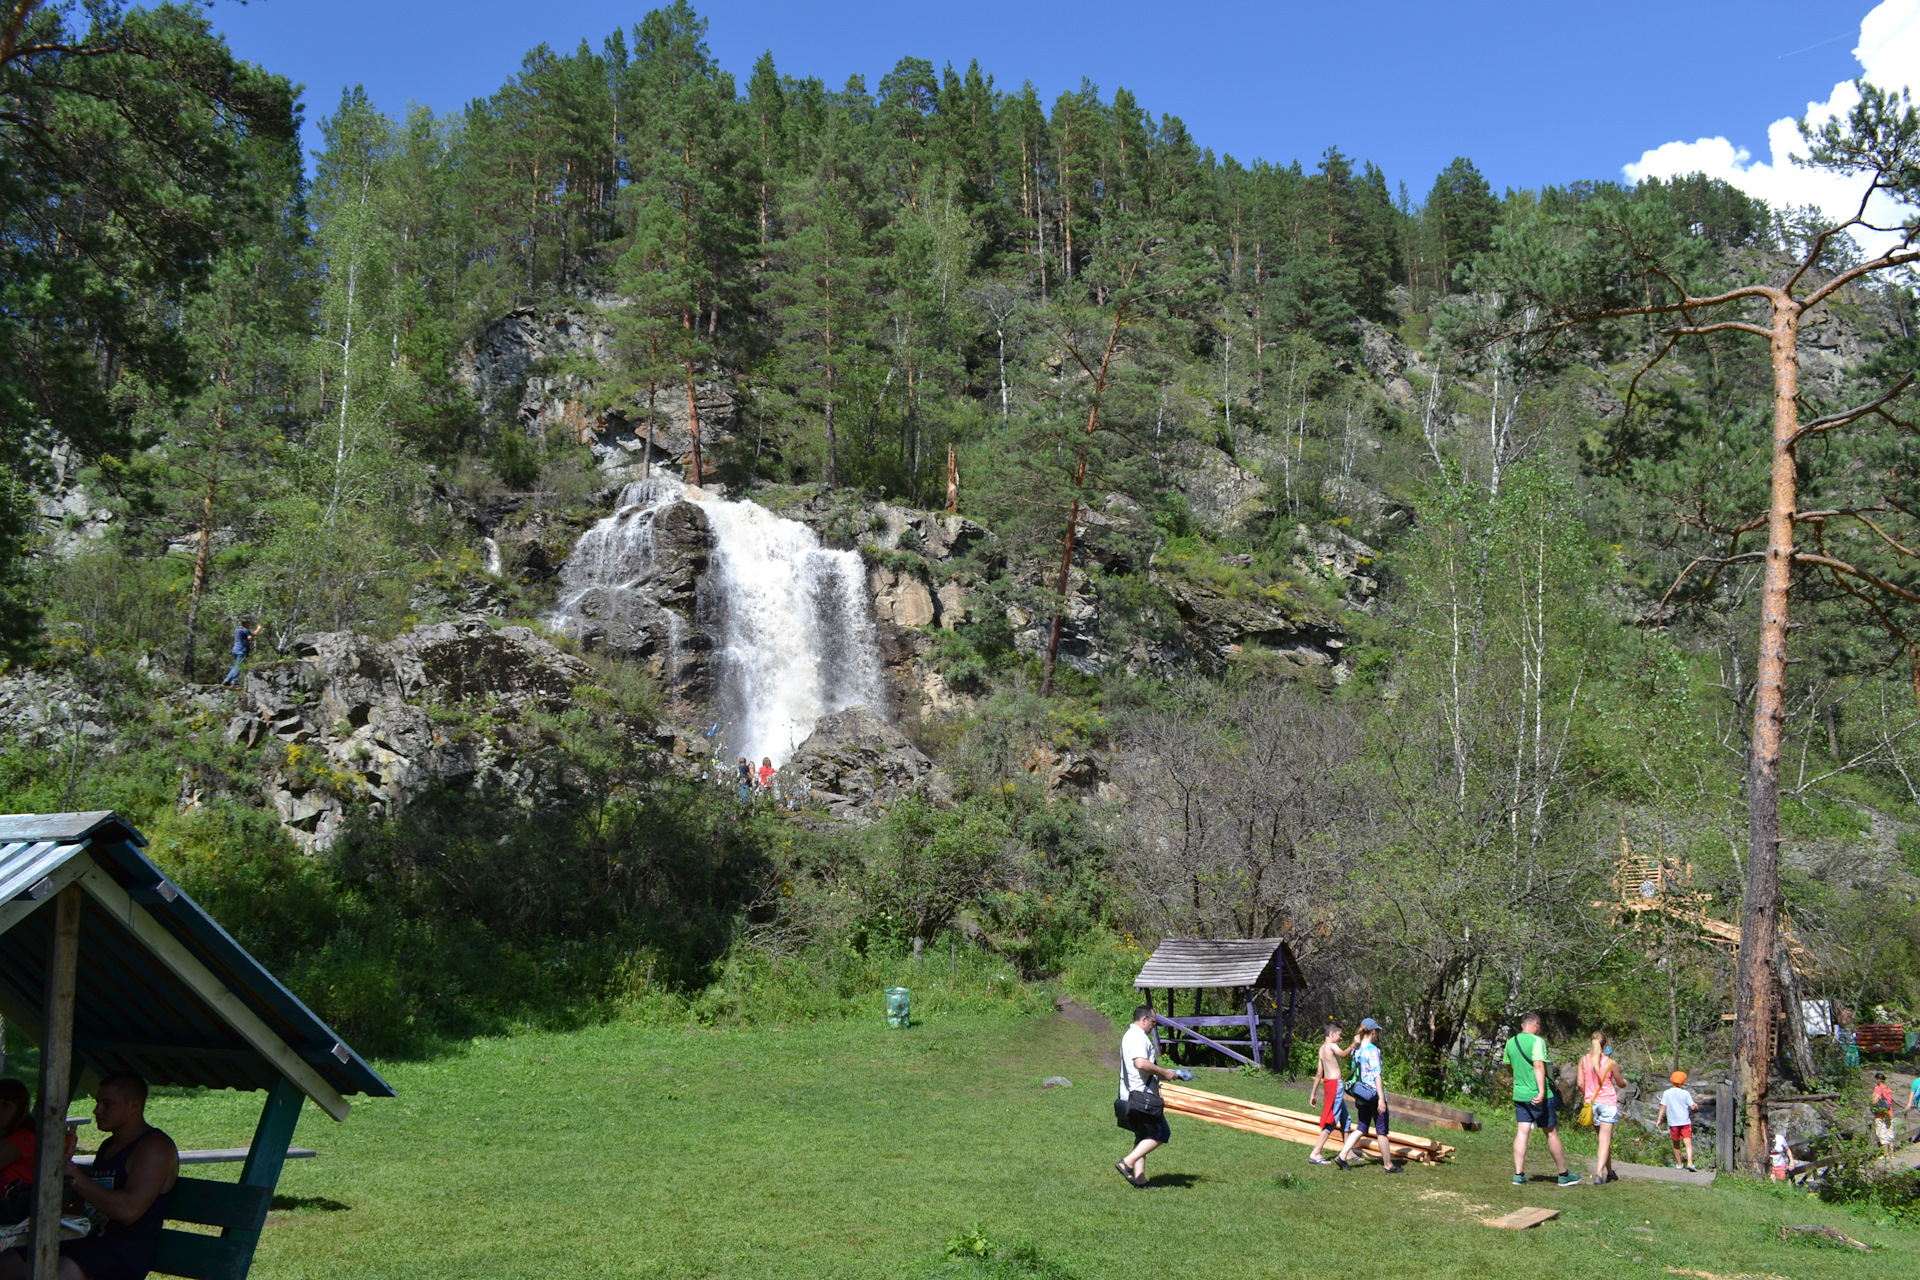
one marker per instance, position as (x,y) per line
(1599,1181)
(1342,1163)
(1399,1168)
(1568,1179)
(1519,1179)
(1691,1169)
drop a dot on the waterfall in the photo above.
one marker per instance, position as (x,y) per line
(791,621)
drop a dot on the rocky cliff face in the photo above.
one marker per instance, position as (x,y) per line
(377,724)
(541,370)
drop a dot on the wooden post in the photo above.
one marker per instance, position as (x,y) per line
(1723,1125)
(1286,1036)
(919,945)
(56,1072)
(271,1137)
(1253,1031)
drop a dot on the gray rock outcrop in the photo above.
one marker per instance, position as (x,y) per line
(379,723)
(856,764)
(536,368)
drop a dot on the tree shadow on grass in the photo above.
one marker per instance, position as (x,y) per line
(291,1204)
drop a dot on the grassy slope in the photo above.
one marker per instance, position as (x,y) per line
(836,1149)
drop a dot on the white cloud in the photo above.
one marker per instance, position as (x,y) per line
(1889,56)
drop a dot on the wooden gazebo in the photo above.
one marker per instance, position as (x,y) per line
(108,966)
(1252,968)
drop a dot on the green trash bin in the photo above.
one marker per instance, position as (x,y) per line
(898,1000)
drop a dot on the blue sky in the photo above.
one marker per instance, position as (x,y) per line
(1532,92)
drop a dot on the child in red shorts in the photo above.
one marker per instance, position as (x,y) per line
(1679,1104)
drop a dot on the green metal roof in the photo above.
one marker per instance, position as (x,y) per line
(135,1008)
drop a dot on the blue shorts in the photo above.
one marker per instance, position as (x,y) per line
(1544,1114)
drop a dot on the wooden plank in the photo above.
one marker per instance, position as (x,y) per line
(1278,1122)
(56,1077)
(1211,1043)
(1521,1219)
(1433,1115)
(1724,1123)
(234,1011)
(217,1155)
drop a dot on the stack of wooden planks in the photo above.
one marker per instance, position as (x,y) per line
(1291,1126)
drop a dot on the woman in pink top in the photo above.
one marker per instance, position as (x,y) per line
(1600,1086)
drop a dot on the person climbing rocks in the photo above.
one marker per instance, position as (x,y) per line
(242,649)
(745,771)
(766,773)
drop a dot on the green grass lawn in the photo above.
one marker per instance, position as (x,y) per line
(837,1149)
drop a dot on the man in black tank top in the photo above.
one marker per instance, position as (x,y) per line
(131,1182)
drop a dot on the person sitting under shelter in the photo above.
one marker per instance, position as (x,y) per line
(131,1182)
(16,1152)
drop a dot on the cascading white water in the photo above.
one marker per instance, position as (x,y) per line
(791,621)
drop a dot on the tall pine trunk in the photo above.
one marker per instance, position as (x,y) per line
(693,404)
(1079,480)
(203,536)
(1753,1009)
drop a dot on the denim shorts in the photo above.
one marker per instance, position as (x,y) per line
(1605,1113)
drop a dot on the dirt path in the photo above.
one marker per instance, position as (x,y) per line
(1096,1022)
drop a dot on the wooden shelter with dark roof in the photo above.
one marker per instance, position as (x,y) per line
(1259,971)
(108,966)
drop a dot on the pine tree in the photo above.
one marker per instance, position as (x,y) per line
(1459,218)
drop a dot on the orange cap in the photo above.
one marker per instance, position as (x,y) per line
(1678,1077)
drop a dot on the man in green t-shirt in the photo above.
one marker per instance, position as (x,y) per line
(1533,1102)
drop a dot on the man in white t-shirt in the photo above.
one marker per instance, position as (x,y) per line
(1140,1078)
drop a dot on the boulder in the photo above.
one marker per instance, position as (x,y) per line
(1220,493)
(1339,557)
(1227,627)
(900,596)
(855,764)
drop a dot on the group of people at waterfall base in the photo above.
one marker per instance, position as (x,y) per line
(1139,1109)
(755,783)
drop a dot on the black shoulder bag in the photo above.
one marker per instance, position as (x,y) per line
(1144,1103)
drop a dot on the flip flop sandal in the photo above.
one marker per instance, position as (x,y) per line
(1317,1160)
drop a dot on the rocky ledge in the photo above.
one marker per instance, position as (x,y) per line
(374,723)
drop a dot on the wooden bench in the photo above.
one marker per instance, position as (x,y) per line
(1881,1037)
(218,1155)
(239,1211)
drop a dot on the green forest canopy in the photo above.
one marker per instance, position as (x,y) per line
(255,373)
